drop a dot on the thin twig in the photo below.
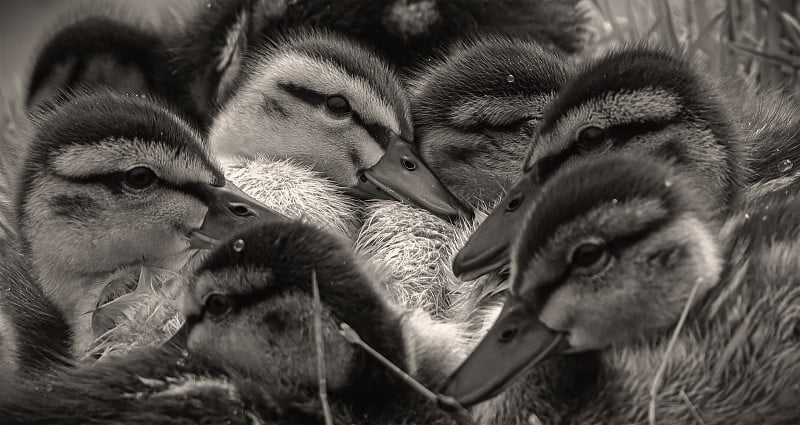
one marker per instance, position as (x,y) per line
(321,372)
(695,413)
(448,404)
(651,414)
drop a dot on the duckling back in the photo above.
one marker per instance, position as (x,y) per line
(34,336)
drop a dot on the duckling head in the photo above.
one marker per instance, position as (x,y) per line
(97,52)
(320,99)
(251,303)
(610,254)
(476,109)
(112,181)
(640,100)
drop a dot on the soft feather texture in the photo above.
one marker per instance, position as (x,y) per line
(169,386)
(405,32)
(735,360)
(297,192)
(151,316)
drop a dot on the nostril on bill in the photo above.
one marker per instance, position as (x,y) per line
(240,210)
(508,335)
(408,164)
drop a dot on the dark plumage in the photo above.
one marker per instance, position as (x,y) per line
(640,100)
(614,311)
(101,52)
(112,184)
(318,98)
(403,31)
(35,337)
(476,107)
(250,353)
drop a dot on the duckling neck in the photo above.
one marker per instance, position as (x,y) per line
(76,297)
(77,293)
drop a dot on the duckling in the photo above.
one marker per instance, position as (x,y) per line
(112,182)
(640,99)
(209,51)
(246,352)
(99,51)
(618,250)
(320,100)
(476,108)
(33,334)
(294,190)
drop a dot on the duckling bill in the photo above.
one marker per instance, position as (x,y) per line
(401,175)
(228,208)
(520,339)
(317,98)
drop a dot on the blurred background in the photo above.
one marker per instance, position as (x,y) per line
(755,40)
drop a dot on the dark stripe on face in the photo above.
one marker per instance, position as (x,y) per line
(244,300)
(625,71)
(571,194)
(309,96)
(359,62)
(114,183)
(619,135)
(377,132)
(75,207)
(98,118)
(272,106)
(614,247)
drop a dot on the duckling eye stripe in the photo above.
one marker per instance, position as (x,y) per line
(117,155)
(477,113)
(316,75)
(646,105)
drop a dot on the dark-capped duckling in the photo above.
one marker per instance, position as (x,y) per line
(603,270)
(111,182)
(249,342)
(208,53)
(318,99)
(476,108)
(640,99)
(100,52)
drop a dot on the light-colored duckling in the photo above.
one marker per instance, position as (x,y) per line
(641,100)
(476,108)
(149,316)
(247,351)
(113,182)
(320,100)
(617,250)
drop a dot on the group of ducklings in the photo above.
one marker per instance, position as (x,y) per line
(647,229)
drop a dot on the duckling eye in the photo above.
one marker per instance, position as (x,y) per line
(338,105)
(140,177)
(218,305)
(514,203)
(588,254)
(591,137)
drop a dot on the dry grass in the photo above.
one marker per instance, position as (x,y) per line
(755,40)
